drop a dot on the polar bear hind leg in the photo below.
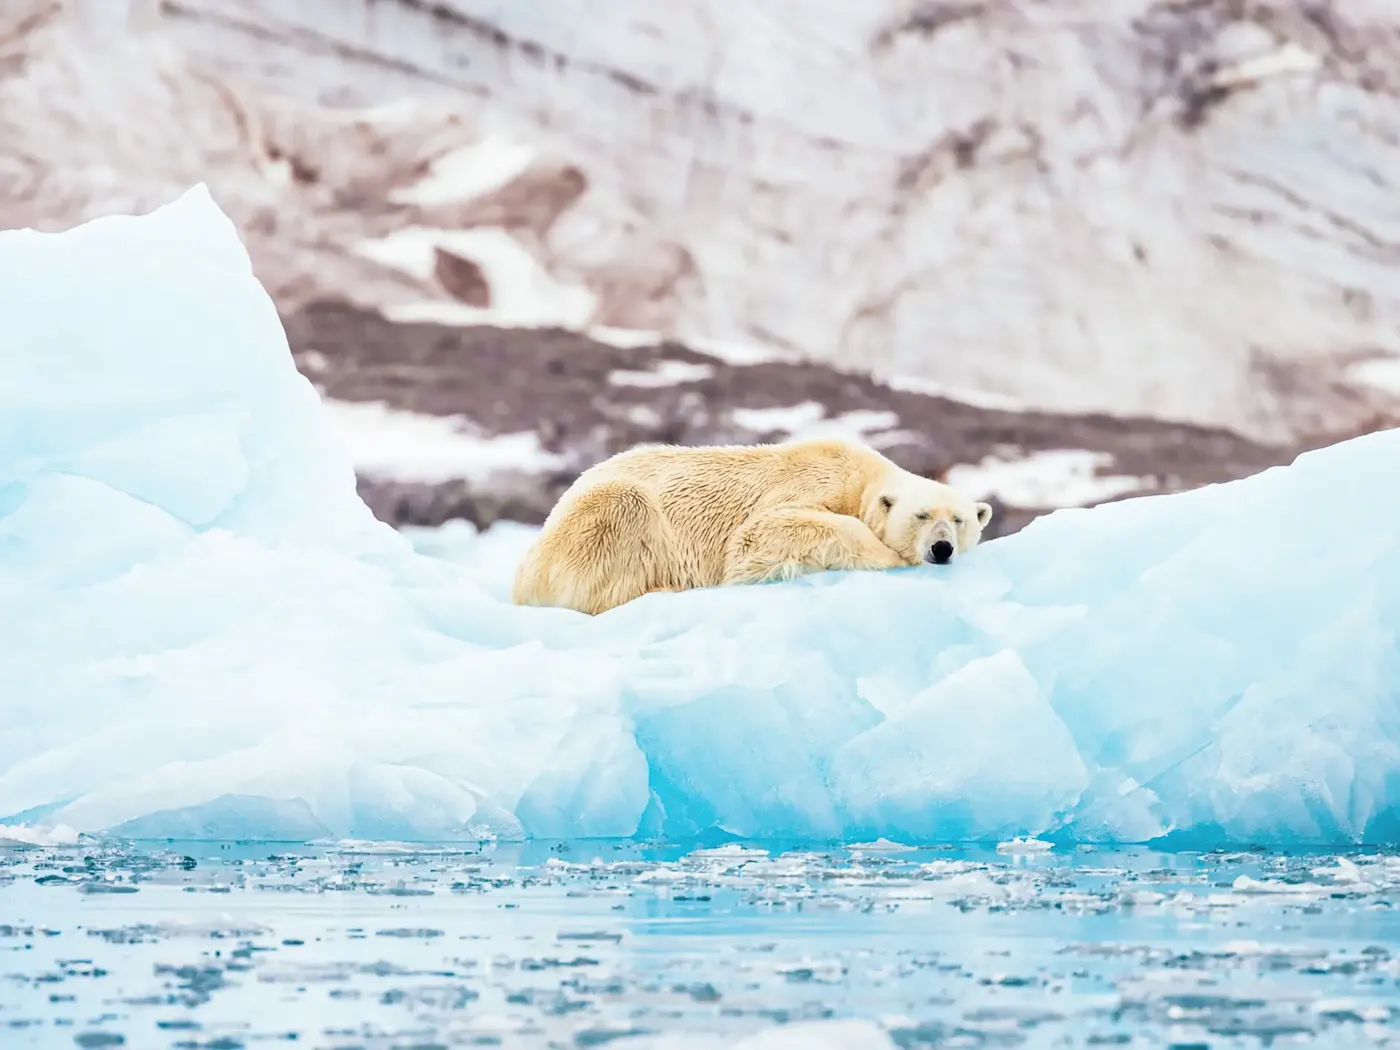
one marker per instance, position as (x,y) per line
(788,542)
(612,545)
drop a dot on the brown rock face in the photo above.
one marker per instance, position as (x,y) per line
(462,279)
(585,400)
(1178,210)
(1189,215)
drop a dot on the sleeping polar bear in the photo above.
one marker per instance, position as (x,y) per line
(666,518)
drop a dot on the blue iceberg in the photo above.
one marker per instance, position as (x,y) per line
(205,634)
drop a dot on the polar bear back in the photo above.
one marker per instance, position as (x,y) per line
(666,518)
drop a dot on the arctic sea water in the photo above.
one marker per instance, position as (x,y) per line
(206,638)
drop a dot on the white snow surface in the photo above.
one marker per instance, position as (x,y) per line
(59,835)
(385,442)
(489,558)
(1053,478)
(523,293)
(205,633)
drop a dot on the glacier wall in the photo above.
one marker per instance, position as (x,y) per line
(204,633)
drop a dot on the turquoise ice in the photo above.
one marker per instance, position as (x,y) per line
(204,632)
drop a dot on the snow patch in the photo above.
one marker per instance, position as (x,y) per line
(665,373)
(1380,373)
(791,419)
(57,835)
(469,172)
(523,294)
(731,352)
(488,558)
(737,353)
(808,421)
(624,338)
(977,398)
(1054,478)
(391,444)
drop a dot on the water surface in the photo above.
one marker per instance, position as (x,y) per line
(583,944)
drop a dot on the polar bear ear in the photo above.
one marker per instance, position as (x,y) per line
(887,502)
(984,514)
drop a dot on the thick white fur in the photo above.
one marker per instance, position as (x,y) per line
(665,518)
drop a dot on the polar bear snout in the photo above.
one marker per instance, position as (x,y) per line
(938,541)
(939,553)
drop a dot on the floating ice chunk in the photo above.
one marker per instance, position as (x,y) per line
(1141,898)
(661,875)
(881,845)
(1245,884)
(205,633)
(203,630)
(1346,872)
(820,971)
(1023,844)
(843,1034)
(729,851)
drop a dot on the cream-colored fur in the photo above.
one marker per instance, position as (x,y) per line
(666,518)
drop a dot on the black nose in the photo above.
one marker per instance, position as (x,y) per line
(941,552)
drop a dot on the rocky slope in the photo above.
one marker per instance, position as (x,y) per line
(523,411)
(1178,208)
(1024,245)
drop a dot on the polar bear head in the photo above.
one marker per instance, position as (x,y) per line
(924,520)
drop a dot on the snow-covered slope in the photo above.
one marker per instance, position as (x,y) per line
(1187,210)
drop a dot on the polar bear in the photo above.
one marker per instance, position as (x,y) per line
(670,518)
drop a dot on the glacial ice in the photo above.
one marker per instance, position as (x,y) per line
(205,634)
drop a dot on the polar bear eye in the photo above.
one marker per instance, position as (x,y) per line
(922,515)
(957,521)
